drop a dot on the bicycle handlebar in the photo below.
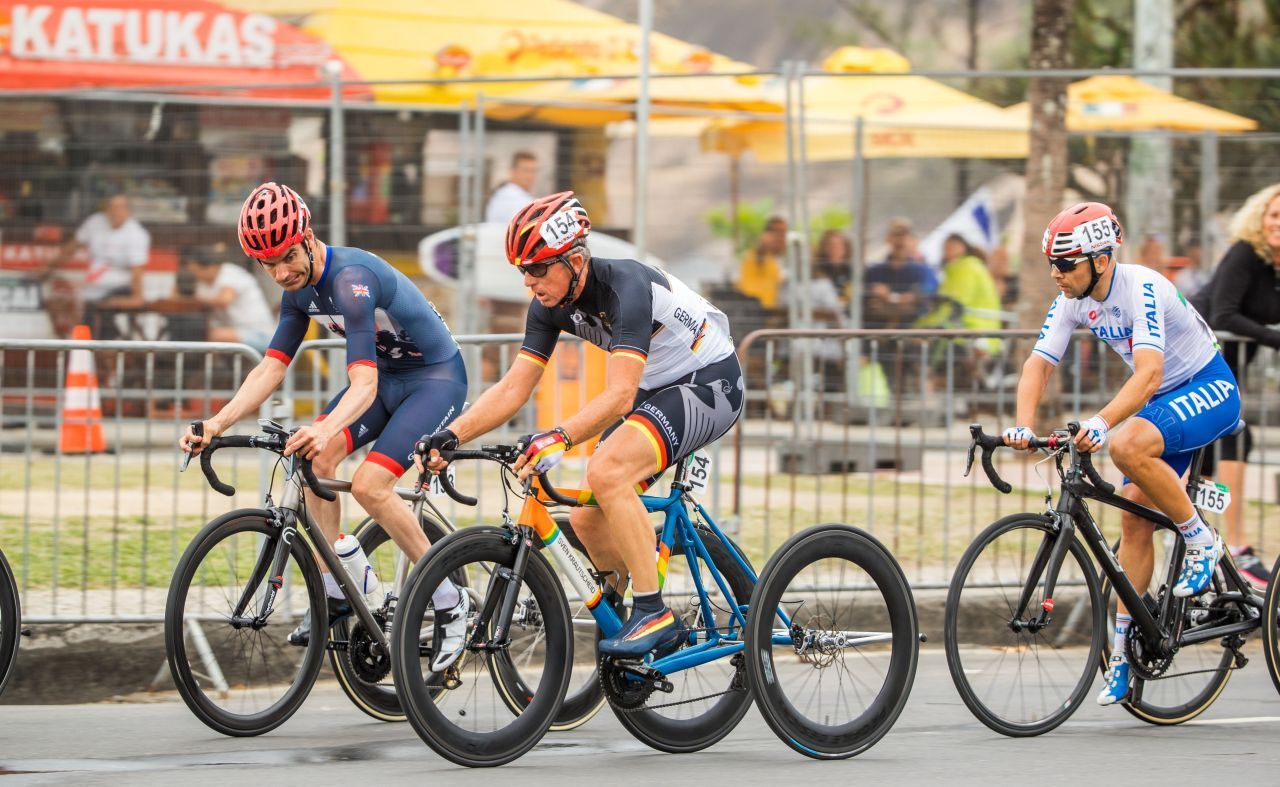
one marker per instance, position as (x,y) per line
(1056,440)
(503,455)
(271,442)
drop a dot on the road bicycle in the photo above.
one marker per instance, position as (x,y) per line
(830,665)
(1028,622)
(228,616)
(10,622)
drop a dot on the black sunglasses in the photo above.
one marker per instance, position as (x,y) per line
(539,269)
(1068,264)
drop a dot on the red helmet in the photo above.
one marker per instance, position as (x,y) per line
(1084,228)
(546,227)
(272,219)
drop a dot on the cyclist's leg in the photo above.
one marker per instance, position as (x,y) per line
(1136,554)
(1155,448)
(420,402)
(328,514)
(668,426)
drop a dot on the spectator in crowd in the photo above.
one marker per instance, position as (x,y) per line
(897,289)
(516,192)
(967,298)
(1243,297)
(1151,254)
(1191,277)
(238,310)
(118,246)
(760,274)
(833,261)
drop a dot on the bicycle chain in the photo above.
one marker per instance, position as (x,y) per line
(736,684)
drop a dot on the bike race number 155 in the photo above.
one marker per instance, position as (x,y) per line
(1213,496)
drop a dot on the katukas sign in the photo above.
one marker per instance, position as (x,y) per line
(96,43)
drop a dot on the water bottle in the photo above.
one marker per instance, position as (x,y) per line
(357,565)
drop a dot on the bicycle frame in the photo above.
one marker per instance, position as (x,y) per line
(678,535)
(1070,512)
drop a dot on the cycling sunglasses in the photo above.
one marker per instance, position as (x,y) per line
(539,269)
(1068,264)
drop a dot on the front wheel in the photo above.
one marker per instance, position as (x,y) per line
(364,673)
(1022,669)
(1271,626)
(461,714)
(233,666)
(10,622)
(833,641)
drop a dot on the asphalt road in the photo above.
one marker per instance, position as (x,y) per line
(936,741)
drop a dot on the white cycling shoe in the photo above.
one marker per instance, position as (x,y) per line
(451,633)
(1197,568)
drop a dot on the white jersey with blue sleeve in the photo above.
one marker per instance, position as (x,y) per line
(1142,309)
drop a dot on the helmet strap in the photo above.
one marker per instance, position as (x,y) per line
(311,261)
(1095,275)
(574,276)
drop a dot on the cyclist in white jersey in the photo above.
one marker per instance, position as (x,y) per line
(1180,397)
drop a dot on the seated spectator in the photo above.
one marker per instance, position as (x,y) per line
(239,310)
(896,289)
(118,248)
(760,274)
(513,195)
(833,261)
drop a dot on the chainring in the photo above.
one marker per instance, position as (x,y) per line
(369,666)
(621,691)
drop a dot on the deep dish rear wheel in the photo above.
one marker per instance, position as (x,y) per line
(10,622)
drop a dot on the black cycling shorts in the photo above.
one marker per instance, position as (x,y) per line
(688,414)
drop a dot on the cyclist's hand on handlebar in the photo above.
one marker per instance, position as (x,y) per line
(1093,434)
(1019,437)
(307,442)
(427,451)
(542,452)
(189,443)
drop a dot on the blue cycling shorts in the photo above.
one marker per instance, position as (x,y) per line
(410,403)
(1195,413)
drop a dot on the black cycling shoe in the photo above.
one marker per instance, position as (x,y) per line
(338,609)
(660,633)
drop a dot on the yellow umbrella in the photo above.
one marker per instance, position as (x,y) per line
(1123,103)
(432,39)
(553,103)
(907,116)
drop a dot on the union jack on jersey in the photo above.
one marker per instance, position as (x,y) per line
(360,290)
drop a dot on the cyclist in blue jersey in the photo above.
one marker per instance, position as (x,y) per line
(672,385)
(1180,397)
(405,370)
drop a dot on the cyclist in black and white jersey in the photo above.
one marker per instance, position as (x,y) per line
(673,385)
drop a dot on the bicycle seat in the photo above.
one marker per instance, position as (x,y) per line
(1237,429)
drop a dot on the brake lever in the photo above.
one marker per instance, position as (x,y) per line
(197,429)
(968,465)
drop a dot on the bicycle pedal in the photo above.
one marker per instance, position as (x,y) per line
(451,679)
(25,632)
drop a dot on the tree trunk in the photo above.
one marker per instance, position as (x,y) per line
(1047,156)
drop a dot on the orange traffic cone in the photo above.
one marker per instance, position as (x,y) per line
(81,406)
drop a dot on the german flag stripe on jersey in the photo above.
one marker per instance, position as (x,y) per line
(654,435)
(630,352)
(697,340)
(532,357)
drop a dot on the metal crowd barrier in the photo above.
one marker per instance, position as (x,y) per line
(866,427)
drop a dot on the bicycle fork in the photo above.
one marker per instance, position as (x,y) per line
(1047,563)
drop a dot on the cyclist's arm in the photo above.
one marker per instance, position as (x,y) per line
(1035,376)
(359,395)
(257,387)
(622,381)
(497,405)
(1148,372)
